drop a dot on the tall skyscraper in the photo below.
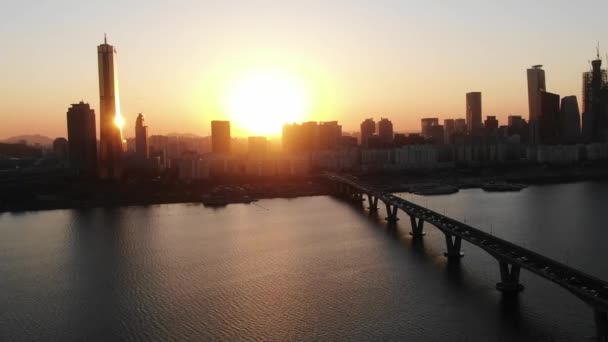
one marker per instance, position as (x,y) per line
(548,122)
(536,84)
(110,121)
(82,141)
(385,131)
(141,138)
(595,103)
(570,120)
(368,128)
(474,112)
(220,137)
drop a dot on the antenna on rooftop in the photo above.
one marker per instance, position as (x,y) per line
(597,49)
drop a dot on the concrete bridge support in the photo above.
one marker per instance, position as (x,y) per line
(373,203)
(417,226)
(453,244)
(509,276)
(391,212)
(601,325)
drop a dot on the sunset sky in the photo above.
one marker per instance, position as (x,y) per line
(179,61)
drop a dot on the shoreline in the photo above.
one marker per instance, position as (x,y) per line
(119,195)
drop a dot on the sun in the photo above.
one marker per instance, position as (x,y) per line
(261,102)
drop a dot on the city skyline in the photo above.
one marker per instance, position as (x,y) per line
(191,88)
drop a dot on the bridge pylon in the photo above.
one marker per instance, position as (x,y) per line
(417,226)
(601,325)
(509,276)
(453,244)
(373,203)
(391,212)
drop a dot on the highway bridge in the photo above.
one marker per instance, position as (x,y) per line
(511,257)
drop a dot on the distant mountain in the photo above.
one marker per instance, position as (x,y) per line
(31,139)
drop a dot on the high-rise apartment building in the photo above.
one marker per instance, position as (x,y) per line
(257,146)
(60,148)
(329,135)
(82,140)
(426,124)
(220,137)
(110,121)
(142,148)
(460,126)
(491,125)
(385,131)
(449,128)
(473,111)
(368,128)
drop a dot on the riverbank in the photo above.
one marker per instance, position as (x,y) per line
(68,193)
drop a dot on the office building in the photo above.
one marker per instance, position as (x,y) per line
(570,120)
(548,122)
(220,137)
(142,148)
(82,140)
(473,111)
(368,128)
(536,84)
(110,121)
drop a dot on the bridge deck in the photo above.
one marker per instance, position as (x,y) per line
(590,289)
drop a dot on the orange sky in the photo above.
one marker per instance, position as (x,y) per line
(398,59)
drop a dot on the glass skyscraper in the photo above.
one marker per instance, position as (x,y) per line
(110,121)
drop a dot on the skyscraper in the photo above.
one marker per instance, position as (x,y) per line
(548,122)
(110,121)
(570,120)
(141,138)
(595,103)
(368,128)
(536,84)
(385,131)
(474,112)
(220,137)
(82,141)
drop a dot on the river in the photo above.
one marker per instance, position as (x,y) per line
(310,268)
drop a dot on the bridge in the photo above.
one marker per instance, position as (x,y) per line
(511,258)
